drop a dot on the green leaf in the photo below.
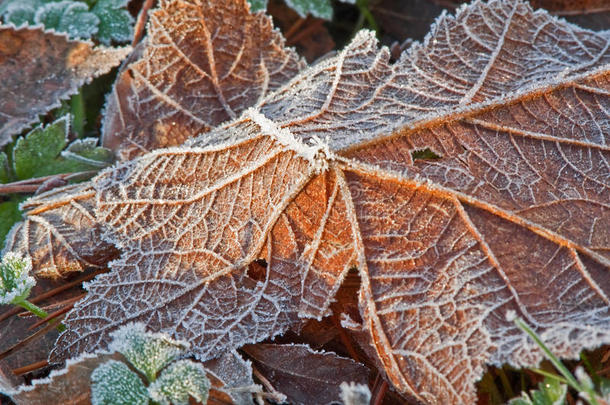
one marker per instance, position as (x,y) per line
(257,5)
(524,399)
(34,154)
(116,24)
(147,352)
(114,383)
(180,380)
(20,12)
(317,8)
(86,152)
(71,17)
(39,153)
(5,174)
(9,215)
(549,392)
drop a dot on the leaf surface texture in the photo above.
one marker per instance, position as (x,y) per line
(319,177)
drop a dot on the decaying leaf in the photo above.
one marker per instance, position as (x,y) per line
(70,385)
(231,378)
(222,60)
(146,112)
(37,76)
(304,375)
(60,232)
(327,174)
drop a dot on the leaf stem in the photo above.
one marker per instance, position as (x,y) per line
(36,310)
(363,7)
(570,379)
(77,107)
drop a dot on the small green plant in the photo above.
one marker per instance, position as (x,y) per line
(16,284)
(45,151)
(168,379)
(554,388)
(103,20)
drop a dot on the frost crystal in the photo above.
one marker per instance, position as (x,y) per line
(355,394)
(15,283)
(180,380)
(148,352)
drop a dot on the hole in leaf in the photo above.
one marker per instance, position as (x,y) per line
(257,270)
(424,154)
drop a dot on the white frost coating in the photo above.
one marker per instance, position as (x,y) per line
(317,154)
(355,394)
(15,281)
(511,315)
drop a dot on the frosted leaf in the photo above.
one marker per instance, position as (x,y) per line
(50,68)
(234,375)
(147,352)
(304,375)
(317,8)
(69,385)
(20,12)
(179,381)
(203,63)
(60,232)
(113,383)
(116,24)
(71,17)
(326,174)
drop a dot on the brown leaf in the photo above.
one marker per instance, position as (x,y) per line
(304,375)
(508,211)
(38,69)
(568,7)
(70,385)
(230,375)
(60,232)
(231,378)
(203,63)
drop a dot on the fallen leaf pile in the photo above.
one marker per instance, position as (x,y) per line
(467,179)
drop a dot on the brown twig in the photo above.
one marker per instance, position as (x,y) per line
(32,338)
(315,24)
(138,29)
(379,393)
(50,293)
(31,185)
(273,393)
(294,28)
(30,367)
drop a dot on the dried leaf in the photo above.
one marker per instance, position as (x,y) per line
(37,76)
(304,375)
(203,63)
(60,232)
(231,376)
(138,108)
(321,177)
(70,385)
